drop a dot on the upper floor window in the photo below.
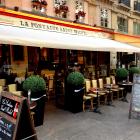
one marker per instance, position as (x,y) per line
(39,5)
(79,13)
(137,5)
(122,24)
(136,28)
(125,2)
(104,17)
(61,8)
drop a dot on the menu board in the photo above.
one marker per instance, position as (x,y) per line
(134,111)
(9,106)
(15,118)
(6,129)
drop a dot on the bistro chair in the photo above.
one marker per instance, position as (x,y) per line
(2,82)
(50,86)
(121,89)
(87,98)
(1,88)
(90,92)
(108,90)
(114,88)
(13,89)
(102,91)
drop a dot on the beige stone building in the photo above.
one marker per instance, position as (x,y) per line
(117,20)
(123,16)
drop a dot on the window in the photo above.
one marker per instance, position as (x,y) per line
(61,8)
(125,2)
(104,17)
(18,53)
(39,6)
(122,24)
(79,12)
(136,28)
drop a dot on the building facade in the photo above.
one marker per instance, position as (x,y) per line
(118,18)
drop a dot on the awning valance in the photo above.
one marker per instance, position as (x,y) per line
(32,37)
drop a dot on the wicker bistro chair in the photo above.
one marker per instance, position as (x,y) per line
(121,89)
(114,88)
(85,99)
(102,93)
(13,89)
(2,82)
(90,92)
(108,90)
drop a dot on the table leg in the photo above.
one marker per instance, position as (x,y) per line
(97,110)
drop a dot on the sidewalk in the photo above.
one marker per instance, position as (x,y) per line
(112,124)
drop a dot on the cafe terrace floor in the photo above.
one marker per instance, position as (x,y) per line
(112,124)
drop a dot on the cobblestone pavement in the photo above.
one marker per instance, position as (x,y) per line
(112,124)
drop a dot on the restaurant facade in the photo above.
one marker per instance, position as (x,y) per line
(26,39)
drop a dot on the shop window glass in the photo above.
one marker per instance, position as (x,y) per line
(18,53)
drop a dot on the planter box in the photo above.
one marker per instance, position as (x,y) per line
(74,99)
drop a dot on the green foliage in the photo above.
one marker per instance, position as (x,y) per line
(35,83)
(133,70)
(75,78)
(122,73)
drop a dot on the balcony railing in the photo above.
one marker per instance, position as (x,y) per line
(137,6)
(125,2)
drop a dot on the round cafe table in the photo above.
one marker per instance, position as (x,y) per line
(126,86)
(110,100)
(96,91)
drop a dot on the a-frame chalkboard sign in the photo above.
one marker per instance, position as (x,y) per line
(134,111)
(15,119)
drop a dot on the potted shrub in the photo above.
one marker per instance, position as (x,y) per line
(132,71)
(74,91)
(37,86)
(122,74)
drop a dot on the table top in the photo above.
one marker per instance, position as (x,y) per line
(95,90)
(125,83)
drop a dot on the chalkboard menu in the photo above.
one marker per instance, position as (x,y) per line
(6,129)
(134,111)
(15,118)
(9,106)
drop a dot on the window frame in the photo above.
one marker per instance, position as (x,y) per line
(104,20)
(122,24)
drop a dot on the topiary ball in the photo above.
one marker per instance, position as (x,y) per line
(133,70)
(75,78)
(35,83)
(122,73)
